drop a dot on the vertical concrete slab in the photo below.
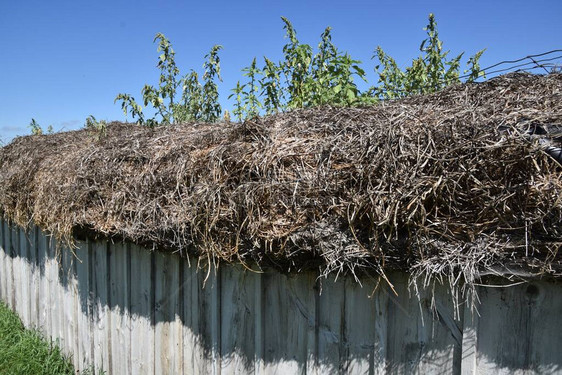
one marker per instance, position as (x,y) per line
(44,308)
(238,320)
(101,318)
(85,324)
(142,311)
(3,262)
(518,330)
(68,289)
(34,285)
(168,349)
(365,320)
(20,288)
(54,293)
(418,341)
(332,344)
(197,339)
(119,294)
(288,319)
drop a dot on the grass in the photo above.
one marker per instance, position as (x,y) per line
(25,351)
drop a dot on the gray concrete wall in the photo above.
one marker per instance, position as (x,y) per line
(130,311)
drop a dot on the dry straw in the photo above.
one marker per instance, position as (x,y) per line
(449,184)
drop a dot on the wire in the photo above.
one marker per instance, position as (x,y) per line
(523,58)
(533,61)
(535,64)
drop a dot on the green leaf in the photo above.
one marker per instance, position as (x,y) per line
(359,71)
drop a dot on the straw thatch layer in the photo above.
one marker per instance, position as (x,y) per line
(444,183)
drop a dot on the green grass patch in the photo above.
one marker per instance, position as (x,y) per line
(25,351)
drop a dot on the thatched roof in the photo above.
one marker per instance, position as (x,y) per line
(456,181)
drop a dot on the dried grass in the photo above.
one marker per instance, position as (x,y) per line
(427,184)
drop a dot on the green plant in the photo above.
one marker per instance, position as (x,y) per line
(302,79)
(198,101)
(474,67)
(333,75)
(428,73)
(247,100)
(326,77)
(98,128)
(35,127)
(295,68)
(210,106)
(189,107)
(129,103)
(252,100)
(271,88)
(239,110)
(26,351)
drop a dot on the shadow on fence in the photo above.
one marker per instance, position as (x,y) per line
(126,307)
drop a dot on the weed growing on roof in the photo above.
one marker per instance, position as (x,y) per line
(97,128)
(428,73)
(36,129)
(306,79)
(247,101)
(198,102)
(302,79)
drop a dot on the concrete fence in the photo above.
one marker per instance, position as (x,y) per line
(127,310)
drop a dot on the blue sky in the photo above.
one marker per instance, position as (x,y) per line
(64,60)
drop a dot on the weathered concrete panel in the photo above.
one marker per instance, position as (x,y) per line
(84,319)
(43,308)
(142,311)
(21,276)
(119,297)
(54,300)
(519,330)
(9,268)
(4,263)
(70,309)
(365,342)
(289,323)
(101,311)
(35,285)
(238,320)
(168,334)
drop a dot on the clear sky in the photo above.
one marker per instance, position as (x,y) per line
(64,60)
